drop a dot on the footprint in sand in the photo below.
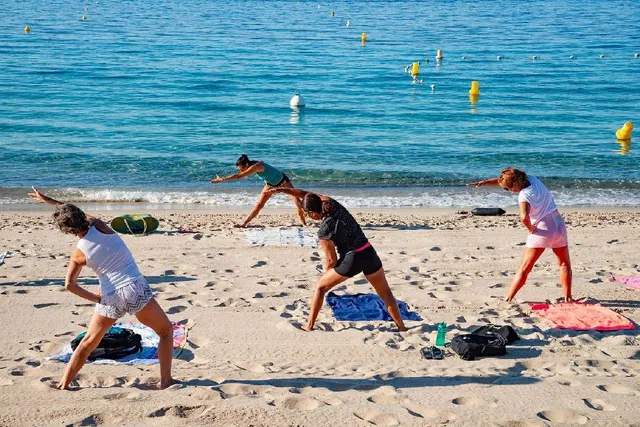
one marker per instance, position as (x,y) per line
(618,389)
(297,403)
(108,418)
(117,396)
(176,309)
(521,423)
(567,383)
(206,394)
(232,390)
(599,405)
(386,395)
(474,401)
(377,418)
(259,264)
(178,411)
(432,416)
(563,417)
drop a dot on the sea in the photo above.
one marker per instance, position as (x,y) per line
(146,101)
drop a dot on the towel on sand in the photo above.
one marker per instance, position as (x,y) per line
(582,317)
(281,237)
(150,340)
(632,282)
(364,307)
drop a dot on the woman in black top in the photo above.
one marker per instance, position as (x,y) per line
(339,230)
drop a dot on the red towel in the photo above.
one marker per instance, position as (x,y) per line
(582,317)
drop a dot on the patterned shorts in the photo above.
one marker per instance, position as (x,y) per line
(130,298)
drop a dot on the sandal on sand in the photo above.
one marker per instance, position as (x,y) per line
(432,353)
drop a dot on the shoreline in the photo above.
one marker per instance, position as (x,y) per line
(28,208)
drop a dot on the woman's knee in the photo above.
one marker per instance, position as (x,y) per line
(165,329)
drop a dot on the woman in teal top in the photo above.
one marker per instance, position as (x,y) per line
(273,178)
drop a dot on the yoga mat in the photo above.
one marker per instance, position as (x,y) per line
(364,307)
(296,237)
(632,282)
(150,340)
(582,317)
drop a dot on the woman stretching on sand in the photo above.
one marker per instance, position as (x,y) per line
(339,230)
(273,178)
(122,288)
(540,216)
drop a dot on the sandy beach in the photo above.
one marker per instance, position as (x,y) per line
(247,362)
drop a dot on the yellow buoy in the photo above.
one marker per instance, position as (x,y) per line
(624,133)
(415,69)
(474,99)
(475,88)
(84,17)
(333,13)
(27,29)
(364,38)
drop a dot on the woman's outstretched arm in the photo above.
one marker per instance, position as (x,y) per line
(37,195)
(490,181)
(258,167)
(295,192)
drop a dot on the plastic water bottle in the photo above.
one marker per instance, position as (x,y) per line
(442,331)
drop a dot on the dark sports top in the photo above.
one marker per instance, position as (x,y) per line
(342,228)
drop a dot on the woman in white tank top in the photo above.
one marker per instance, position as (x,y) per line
(539,214)
(122,288)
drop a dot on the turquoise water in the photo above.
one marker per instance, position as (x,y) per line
(148,100)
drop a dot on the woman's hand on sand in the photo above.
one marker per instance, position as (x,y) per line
(217,180)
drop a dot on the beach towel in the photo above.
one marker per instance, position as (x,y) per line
(150,340)
(582,317)
(364,307)
(271,236)
(632,282)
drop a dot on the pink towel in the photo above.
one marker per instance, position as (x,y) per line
(632,282)
(582,317)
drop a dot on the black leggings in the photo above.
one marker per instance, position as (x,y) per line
(352,263)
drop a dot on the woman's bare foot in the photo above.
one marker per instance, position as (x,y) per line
(307,328)
(169,383)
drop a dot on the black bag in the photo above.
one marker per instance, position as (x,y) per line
(506,332)
(488,211)
(470,346)
(488,340)
(116,343)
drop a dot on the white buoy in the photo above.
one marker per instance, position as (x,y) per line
(433,87)
(297,100)
(318,6)
(636,55)
(572,57)
(439,55)
(499,58)
(463,58)
(348,24)
(601,56)
(534,57)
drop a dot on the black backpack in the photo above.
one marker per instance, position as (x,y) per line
(116,343)
(506,332)
(485,341)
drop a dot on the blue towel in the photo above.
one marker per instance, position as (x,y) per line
(364,307)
